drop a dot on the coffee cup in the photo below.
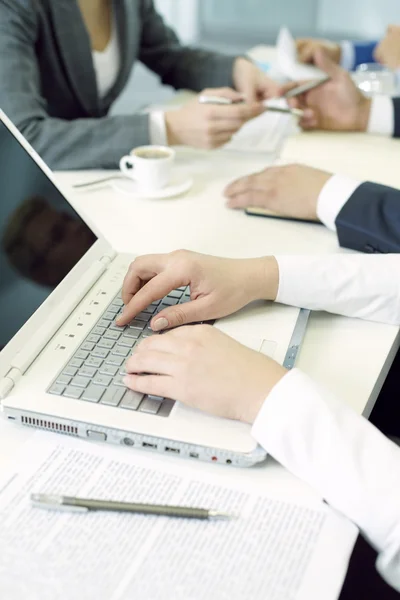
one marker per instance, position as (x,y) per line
(149,166)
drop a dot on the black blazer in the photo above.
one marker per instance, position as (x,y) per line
(48,85)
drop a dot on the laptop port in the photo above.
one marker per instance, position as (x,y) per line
(193,455)
(173,450)
(148,445)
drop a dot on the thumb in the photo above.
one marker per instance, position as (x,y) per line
(181,314)
(323,62)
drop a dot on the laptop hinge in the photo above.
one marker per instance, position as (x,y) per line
(8,382)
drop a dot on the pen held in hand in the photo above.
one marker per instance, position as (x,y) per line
(55,502)
(222,101)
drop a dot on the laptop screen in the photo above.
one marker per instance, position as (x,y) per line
(41,236)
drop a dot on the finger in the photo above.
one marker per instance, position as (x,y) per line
(154,385)
(224,92)
(240,186)
(152,361)
(182,314)
(323,62)
(237,112)
(155,289)
(306,53)
(250,198)
(141,269)
(309,120)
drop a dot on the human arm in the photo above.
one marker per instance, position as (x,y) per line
(347,54)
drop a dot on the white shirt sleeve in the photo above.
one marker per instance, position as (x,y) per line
(381,117)
(348,55)
(158,130)
(333,196)
(357,285)
(342,456)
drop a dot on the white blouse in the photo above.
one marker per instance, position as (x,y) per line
(107,64)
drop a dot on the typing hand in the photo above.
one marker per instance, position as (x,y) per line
(387,51)
(205,369)
(252,83)
(338,105)
(218,286)
(307,48)
(291,191)
(209,126)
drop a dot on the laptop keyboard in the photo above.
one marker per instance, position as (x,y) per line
(95,371)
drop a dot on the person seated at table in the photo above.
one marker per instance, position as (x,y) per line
(303,426)
(63,64)
(352,54)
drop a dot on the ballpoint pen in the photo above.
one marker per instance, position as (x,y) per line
(222,101)
(55,502)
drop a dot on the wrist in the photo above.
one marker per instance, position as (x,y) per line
(271,374)
(172,127)
(363,113)
(263,277)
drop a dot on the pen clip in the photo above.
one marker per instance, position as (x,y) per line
(51,502)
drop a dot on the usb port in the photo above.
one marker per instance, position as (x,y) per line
(148,445)
(174,450)
(193,455)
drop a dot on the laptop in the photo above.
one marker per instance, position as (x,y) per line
(62,356)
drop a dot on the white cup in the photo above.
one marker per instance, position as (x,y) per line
(374,79)
(150,166)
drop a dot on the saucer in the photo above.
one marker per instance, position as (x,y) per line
(178,185)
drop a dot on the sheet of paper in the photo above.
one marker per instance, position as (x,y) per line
(275,549)
(286,58)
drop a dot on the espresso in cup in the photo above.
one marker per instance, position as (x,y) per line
(150,166)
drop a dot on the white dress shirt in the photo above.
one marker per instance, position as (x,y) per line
(319,439)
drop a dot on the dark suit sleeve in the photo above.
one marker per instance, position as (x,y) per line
(364,52)
(177,65)
(396,103)
(370,220)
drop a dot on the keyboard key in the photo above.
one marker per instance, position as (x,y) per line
(57,388)
(184,299)
(158,398)
(148,332)
(79,381)
(113,396)
(93,393)
(76,362)
(170,301)
(109,316)
(112,335)
(103,323)
(155,303)
(113,309)
(93,338)
(109,370)
(150,406)
(102,380)
(81,355)
(73,392)
(100,352)
(93,361)
(150,310)
(115,360)
(132,333)
(142,317)
(131,400)
(99,330)
(87,372)
(118,381)
(108,344)
(137,325)
(87,346)
(182,289)
(127,341)
(118,302)
(71,371)
(64,380)
(115,327)
(121,351)
(175,294)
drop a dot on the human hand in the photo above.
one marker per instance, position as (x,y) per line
(205,369)
(218,286)
(387,51)
(291,191)
(209,126)
(337,105)
(307,47)
(252,83)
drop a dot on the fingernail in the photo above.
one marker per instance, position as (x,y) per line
(161,323)
(126,380)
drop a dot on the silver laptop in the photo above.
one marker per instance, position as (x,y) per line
(62,356)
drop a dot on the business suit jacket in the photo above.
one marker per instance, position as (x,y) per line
(48,84)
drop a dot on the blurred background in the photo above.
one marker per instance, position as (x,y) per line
(237,25)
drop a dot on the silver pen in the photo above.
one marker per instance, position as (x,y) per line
(69,503)
(222,101)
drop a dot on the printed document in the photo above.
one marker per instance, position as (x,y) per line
(275,549)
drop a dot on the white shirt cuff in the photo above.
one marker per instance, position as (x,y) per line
(381,117)
(333,196)
(348,55)
(158,130)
